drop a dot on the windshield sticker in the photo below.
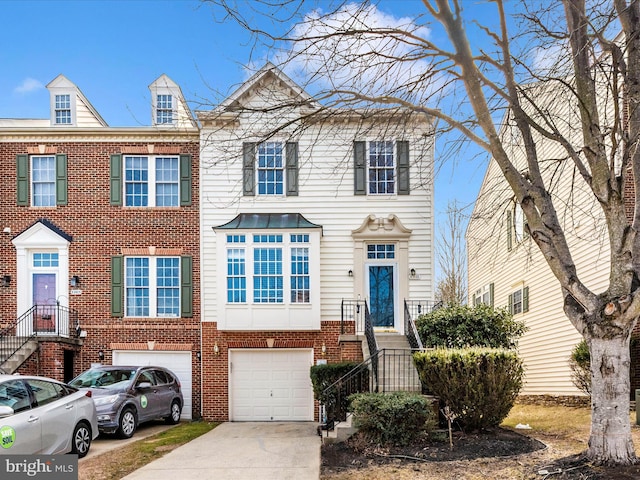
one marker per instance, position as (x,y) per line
(7,436)
(143,401)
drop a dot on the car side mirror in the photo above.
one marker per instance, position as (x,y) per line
(144,385)
(6,411)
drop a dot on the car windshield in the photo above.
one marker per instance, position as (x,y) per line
(97,378)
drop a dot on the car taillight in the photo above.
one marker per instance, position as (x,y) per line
(88,394)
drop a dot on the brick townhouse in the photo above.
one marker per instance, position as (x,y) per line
(99,241)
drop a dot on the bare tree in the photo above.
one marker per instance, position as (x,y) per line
(351,54)
(451,287)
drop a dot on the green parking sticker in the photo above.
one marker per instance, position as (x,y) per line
(7,436)
(143,401)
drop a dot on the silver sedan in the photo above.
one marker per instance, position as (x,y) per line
(40,415)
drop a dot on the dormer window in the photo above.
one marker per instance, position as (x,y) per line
(164,109)
(63,109)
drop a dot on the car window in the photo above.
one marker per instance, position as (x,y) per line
(98,378)
(46,392)
(146,376)
(162,377)
(14,394)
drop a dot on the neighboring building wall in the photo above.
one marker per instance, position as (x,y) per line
(99,231)
(496,222)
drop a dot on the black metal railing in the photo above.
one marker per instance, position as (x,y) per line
(39,320)
(410,329)
(352,311)
(394,371)
(420,307)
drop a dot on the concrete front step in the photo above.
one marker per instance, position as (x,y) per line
(342,431)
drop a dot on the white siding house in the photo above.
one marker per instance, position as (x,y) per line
(505,266)
(302,208)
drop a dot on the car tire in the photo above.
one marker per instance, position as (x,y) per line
(81,439)
(174,416)
(127,423)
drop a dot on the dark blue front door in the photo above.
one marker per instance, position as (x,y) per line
(381,295)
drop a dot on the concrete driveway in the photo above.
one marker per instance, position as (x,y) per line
(241,451)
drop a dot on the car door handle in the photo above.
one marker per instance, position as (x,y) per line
(33,419)
(69,406)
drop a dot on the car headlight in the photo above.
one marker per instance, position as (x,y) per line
(105,400)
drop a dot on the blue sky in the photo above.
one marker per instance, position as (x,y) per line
(112,50)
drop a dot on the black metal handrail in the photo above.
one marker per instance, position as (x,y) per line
(410,330)
(388,370)
(39,320)
(352,311)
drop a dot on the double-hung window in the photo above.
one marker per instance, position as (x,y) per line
(270,169)
(63,109)
(484,295)
(275,268)
(152,286)
(381,168)
(151,181)
(519,301)
(43,181)
(164,109)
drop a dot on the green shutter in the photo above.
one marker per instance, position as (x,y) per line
(117,286)
(473,300)
(61,179)
(404,185)
(185,180)
(525,299)
(359,168)
(292,168)
(116,179)
(509,230)
(186,286)
(491,288)
(511,303)
(248,169)
(22,171)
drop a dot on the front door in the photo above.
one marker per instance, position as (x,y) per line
(44,298)
(382,295)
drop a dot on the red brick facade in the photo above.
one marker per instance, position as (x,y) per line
(100,231)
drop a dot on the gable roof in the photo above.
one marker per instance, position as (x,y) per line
(268,71)
(63,82)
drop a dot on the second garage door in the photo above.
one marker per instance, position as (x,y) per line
(270,385)
(178,362)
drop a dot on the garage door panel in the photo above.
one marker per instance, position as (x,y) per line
(279,388)
(178,362)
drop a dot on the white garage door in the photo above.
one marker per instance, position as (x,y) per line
(178,362)
(270,385)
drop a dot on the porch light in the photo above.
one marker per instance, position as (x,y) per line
(100,355)
(324,349)
(74,281)
(412,273)
(351,273)
(6,280)
(216,349)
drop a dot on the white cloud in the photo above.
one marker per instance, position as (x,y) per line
(359,48)
(28,85)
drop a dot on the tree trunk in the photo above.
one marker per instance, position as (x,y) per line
(610,441)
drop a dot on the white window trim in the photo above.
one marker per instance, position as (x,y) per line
(72,104)
(394,168)
(174,106)
(32,182)
(153,287)
(283,168)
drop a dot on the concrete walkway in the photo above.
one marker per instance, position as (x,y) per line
(240,451)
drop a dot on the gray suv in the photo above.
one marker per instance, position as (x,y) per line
(127,396)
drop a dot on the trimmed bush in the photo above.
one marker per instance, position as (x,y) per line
(480,385)
(580,363)
(395,418)
(459,326)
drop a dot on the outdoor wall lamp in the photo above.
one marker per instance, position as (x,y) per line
(216,349)
(198,355)
(6,280)
(351,273)
(74,281)
(100,355)
(324,349)
(412,273)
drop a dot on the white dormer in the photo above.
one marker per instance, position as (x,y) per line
(69,107)
(168,106)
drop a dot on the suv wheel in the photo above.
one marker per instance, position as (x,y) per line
(127,423)
(174,416)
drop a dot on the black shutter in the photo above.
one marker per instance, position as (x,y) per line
(359,168)
(404,184)
(292,168)
(248,169)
